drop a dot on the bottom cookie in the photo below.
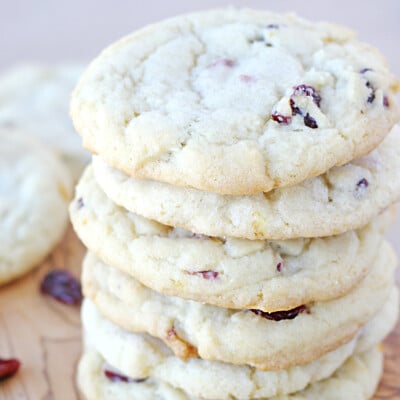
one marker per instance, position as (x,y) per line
(357,379)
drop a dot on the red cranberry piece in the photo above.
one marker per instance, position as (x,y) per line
(364,70)
(199,236)
(279,266)
(80,203)
(310,121)
(280,315)
(386,101)
(118,377)
(295,110)
(362,183)
(281,119)
(62,286)
(307,90)
(361,187)
(371,97)
(171,334)
(8,368)
(223,62)
(247,78)
(209,275)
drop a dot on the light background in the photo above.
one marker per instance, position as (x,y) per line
(56,31)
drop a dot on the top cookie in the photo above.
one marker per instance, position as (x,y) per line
(235,101)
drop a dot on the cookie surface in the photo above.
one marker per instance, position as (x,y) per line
(226,272)
(248,101)
(381,325)
(35,188)
(140,356)
(278,341)
(343,199)
(357,379)
(35,99)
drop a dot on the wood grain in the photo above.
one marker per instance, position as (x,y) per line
(42,333)
(45,336)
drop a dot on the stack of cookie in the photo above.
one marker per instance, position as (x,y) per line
(245,164)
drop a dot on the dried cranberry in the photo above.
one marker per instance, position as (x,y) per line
(307,90)
(361,187)
(279,266)
(118,377)
(280,315)
(364,70)
(362,183)
(247,78)
(172,333)
(295,110)
(205,274)
(80,203)
(385,101)
(199,236)
(310,121)
(371,97)
(223,62)
(281,119)
(62,286)
(8,368)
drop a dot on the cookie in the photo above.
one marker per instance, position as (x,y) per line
(278,340)
(35,189)
(357,379)
(141,356)
(381,325)
(226,272)
(343,199)
(35,99)
(235,101)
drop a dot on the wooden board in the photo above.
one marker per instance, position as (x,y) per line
(45,336)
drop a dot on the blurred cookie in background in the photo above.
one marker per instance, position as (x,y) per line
(35,99)
(35,188)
